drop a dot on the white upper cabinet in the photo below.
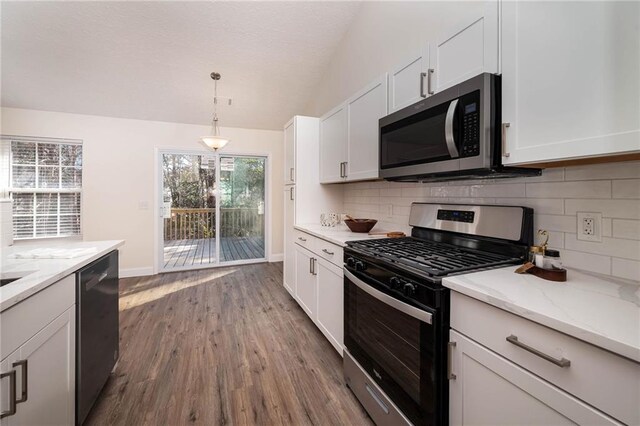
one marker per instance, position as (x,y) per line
(349,136)
(363,112)
(333,145)
(410,80)
(570,80)
(467,50)
(290,152)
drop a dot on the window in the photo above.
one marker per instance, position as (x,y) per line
(45,184)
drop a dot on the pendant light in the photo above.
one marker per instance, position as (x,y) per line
(214,141)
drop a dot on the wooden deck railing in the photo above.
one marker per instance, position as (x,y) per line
(189,224)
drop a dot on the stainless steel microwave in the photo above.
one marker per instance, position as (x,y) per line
(451,135)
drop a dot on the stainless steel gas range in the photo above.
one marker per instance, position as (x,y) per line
(397,311)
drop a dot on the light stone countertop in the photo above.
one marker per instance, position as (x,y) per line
(38,274)
(338,234)
(599,310)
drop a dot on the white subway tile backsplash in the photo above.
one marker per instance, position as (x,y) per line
(498,190)
(607,227)
(590,189)
(624,268)
(450,191)
(555,222)
(628,229)
(626,249)
(626,188)
(539,205)
(622,209)
(623,170)
(586,261)
(556,196)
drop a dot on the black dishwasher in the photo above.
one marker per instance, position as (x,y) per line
(97,330)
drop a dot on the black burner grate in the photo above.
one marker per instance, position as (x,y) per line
(434,258)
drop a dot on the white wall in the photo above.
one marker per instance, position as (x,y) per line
(383,35)
(118,172)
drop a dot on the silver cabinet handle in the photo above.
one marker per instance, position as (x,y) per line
(450,347)
(429,74)
(291,193)
(562,362)
(505,153)
(422,76)
(328,252)
(377,399)
(291,174)
(448,129)
(12,394)
(311,265)
(342,169)
(304,240)
(24,378)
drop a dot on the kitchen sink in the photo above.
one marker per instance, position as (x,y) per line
(10,277)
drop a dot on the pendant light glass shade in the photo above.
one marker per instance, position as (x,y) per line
(214,141)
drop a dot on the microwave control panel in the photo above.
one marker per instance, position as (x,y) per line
(470,146)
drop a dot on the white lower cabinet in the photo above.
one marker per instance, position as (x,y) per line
(306,282)
(490,390)
(331,302)
(44,372)
(319,284)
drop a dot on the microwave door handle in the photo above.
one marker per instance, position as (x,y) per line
(448,130)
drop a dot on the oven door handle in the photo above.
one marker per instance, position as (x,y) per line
(448,130)
(412,311)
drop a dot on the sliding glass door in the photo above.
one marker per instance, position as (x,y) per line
(242,196)
(213,210)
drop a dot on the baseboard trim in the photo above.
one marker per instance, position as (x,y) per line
(276,257)
(135,272)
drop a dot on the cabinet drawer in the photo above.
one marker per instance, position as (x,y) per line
(329,251)
(305,240)
(588,376)
(22,321)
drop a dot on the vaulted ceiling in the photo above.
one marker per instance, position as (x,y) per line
(152,60)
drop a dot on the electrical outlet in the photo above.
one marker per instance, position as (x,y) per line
(589,226)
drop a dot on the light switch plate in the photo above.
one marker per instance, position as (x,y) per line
(589,226)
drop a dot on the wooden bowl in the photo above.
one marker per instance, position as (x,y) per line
(360,225)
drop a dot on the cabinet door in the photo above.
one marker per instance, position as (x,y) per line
(50,360)
(489,389)
(331,302)
(570,80)
(467,50)
(306,283)
(289,278)
(408,81)
(363,112)
(333,145)
(290,152)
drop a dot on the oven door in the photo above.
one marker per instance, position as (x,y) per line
(396,344)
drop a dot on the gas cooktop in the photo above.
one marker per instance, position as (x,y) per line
(431,257)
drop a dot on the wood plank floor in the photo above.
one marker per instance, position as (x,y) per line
(179,253)
(224,346)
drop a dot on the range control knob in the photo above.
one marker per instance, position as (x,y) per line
(360,266)
(351,262)
(395,283)
(409,289)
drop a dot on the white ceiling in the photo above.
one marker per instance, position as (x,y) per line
(152,60)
